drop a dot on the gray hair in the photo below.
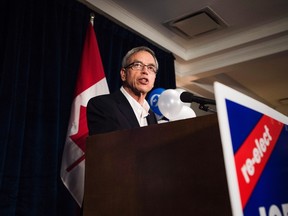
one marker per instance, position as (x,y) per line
(131,52)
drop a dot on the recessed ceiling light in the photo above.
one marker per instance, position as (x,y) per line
(196,24)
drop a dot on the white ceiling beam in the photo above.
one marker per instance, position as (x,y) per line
(242,54)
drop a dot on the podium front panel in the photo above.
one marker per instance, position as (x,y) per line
(174,168)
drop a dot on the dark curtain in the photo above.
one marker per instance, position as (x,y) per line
(41,44)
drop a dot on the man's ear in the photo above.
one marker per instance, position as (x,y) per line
(123,74)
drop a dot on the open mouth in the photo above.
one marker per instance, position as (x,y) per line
(144,81)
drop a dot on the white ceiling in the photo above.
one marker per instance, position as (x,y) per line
(250,54)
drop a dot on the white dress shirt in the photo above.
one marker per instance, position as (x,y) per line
(140,111)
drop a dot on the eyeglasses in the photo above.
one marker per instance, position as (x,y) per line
(140,66)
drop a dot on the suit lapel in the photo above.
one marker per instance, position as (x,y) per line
(151,119)
(126,109)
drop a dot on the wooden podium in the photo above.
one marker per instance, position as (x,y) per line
(174,168)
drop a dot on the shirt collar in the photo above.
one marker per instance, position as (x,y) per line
(142,111)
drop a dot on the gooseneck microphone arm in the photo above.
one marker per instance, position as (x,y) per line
(188,97)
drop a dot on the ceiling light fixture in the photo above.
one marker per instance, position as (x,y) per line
(196,24)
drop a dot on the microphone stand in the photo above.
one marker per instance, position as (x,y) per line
(206,108)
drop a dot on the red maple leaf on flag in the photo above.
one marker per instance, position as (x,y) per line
(80,137)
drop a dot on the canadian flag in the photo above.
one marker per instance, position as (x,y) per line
(91,82)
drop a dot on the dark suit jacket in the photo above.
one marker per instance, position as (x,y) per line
(112,112)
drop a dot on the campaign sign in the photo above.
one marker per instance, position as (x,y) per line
(255,147)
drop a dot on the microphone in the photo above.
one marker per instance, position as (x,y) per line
(188,97)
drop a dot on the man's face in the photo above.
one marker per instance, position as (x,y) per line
(136,79)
